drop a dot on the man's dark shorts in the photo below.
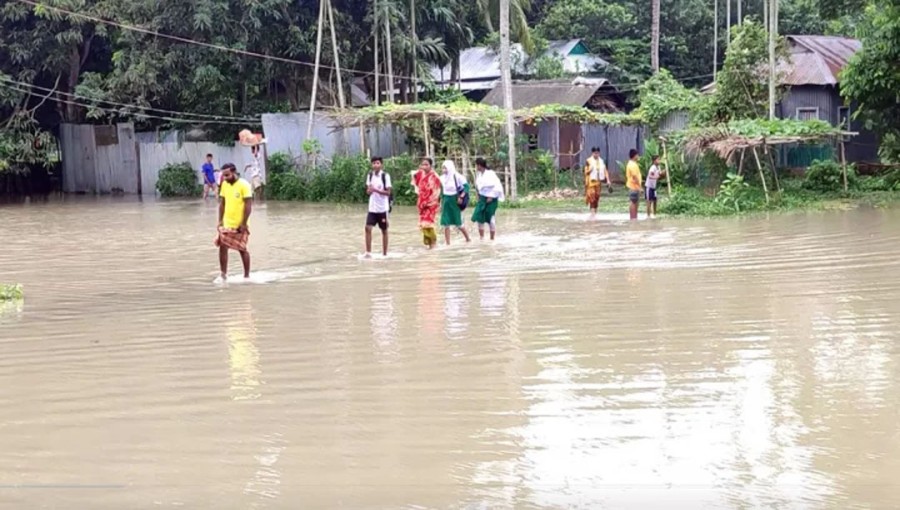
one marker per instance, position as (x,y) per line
(380,219)
(634,196)
(651,194)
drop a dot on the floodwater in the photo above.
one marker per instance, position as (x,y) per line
(744,363)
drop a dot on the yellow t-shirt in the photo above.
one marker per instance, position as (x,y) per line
(632,174)
(234,195)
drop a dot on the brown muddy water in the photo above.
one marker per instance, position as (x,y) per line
(741,363)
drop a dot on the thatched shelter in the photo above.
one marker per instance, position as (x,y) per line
(737,137)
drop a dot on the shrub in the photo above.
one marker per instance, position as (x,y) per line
(280,163)
(286,186)
(11,292)
(733,192)
(692,202)
(178,180)
(828,177)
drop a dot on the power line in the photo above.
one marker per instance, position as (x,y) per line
(124,105)
(141,115)
(194,41)
(186,40)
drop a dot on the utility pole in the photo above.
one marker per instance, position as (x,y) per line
(415,48)
(740,18)
(390,56)
(315,87)
(506,78)
(654,37)
(375,25)
(716,37)
(773,34)
(727,24)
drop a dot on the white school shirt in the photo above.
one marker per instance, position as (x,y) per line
(450,181)
(598,169)
(489,185)
(379,203)
(652,177)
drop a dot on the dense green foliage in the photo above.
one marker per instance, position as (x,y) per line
(873,77)
(178,180)
(11,292)
(661,95)
(827,177)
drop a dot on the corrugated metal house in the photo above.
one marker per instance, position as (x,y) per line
(479,69)
(813,80)
(566,140)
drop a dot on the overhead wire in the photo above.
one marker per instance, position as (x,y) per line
(139,115)
(132,106)
(238,51)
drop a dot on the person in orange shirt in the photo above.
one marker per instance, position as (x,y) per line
(633,181)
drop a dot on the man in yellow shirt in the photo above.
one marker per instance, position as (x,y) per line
(633,181)
(235,205)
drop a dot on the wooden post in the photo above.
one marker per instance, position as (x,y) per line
(337,61)
(666,160)
(774,167)
(362,138)
(427,129)
(315,87)
(741,162)
(844,166)
(762,176)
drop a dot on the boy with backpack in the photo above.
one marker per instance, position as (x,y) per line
(381,198)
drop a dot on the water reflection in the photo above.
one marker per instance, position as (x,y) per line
(456,313)
(243,354)
(383,322)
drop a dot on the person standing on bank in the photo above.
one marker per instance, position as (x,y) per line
(455,200)
(633,181)
(235,206)
(653,176)
(490,193)
(210,183)
(378,187)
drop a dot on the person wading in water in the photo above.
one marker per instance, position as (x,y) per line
(490,192)
(378,186)
(235,206)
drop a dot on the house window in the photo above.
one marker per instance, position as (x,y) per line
(843,120)
(807,114)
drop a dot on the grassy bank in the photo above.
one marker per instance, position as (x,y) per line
(691,202)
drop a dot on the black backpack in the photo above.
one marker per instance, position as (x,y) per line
(462,198)
(384,186)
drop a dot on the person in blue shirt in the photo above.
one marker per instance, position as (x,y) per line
(209,177)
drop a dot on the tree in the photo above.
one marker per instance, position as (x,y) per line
(742,85)
(872,78)
(492,11)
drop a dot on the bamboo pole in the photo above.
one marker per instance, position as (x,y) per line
(427,130)
(315,87)
(741,162)
(762,176)
(337,60)
(362,139)
(774,167)
(666,160)
(844,166)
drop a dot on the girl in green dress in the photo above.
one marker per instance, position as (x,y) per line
(455,195)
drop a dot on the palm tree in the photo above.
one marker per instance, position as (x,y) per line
(518,19)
